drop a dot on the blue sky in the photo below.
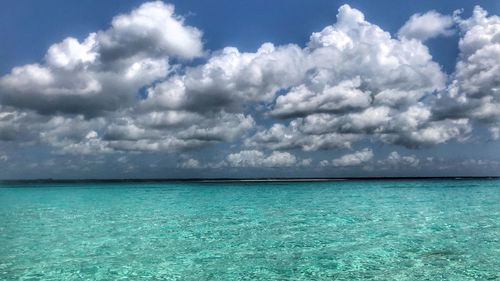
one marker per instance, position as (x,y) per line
(29,27)
(160,94)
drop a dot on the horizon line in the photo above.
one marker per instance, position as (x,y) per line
(240,179)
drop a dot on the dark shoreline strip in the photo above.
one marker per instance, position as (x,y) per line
(234,180)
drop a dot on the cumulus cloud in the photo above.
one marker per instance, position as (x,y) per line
(10,123)
(229,79)
(474,92)
(426,26)
(395,160)
(297,135)
(250,159)
(353,159)
(359,82)
(105,71)
(346,96)
(154,30)
(100,135)
(93,86)
(256,159)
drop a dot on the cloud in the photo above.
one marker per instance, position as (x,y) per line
(297,135)
(130,88)
(346,96)
(395,160)
(354,159)
(474,92)
(151,30)
(433,133)
(229,79)
(359,82)
(93,86)
(426,26)
(102,135)
(10,124)
(257,159)
(495,132)
(73,135)
(190,164)
(250,159)
(105,71)
(480,162)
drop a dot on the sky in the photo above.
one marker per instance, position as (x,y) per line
(198,89)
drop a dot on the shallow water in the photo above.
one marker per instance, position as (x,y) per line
(346,230)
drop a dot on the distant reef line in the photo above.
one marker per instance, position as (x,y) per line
(233,180)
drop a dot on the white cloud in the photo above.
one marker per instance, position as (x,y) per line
(230,78)
(73,135)
(434,132)
(300,101)
(250,159)
(77,135)
(380,61)
(70,53)
(296,136)
(10,123)
(92,86)
(395,160)
(354,159)
(222,127)
(360,82)
(152,29)
(426,26)
(474,92)
(257,159)
(105,71)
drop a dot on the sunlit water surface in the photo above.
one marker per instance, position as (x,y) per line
(345,230)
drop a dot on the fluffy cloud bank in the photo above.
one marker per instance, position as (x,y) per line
(474,92)
(105,71)
(128,88)
(361,82)
(91,90)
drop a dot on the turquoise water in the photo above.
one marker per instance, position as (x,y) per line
(346,230)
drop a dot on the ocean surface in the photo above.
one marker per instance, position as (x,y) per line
(342,230)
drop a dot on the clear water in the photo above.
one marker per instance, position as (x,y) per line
(351,230)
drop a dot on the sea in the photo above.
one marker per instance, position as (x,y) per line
(435,229)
